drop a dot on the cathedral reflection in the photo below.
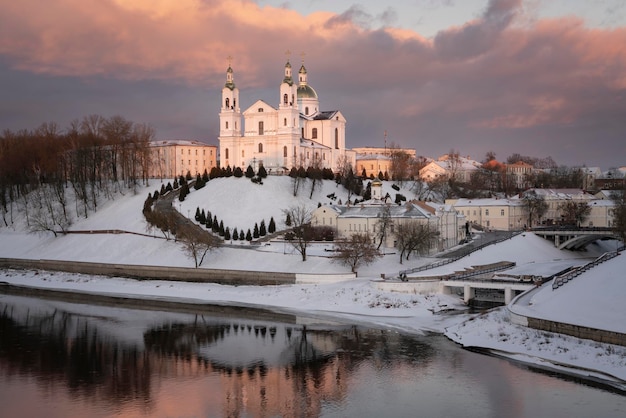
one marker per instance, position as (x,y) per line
(263,368)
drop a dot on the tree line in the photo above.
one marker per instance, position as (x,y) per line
(93,157)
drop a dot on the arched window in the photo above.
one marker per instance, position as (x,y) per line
(226,124)
(261,128)
(260,147)
(314,133)
(285,151)
(227,103)
(306,110)
(226,153)
(336,138)
(285,122)
(234,102)
(285,98)
(243,153)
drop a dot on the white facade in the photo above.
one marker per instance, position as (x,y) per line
(172,158)
(493,214)
(363,219)
(295,134)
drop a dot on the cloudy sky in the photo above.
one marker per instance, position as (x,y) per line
(536,77)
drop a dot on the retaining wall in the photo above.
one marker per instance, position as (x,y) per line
(578,331)
(231,277)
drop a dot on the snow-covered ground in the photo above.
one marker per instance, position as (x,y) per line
(591,299)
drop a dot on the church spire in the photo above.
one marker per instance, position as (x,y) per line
(302,72)
(288,78)
(230,84)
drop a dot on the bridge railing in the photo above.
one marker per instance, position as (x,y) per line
(570,275)
(403,273)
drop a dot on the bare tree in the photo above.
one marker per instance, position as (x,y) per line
(196,242)
(355,251)
(383,224)
(413,236)
(619,213)
(400,165)
(574,213)
(301,232)
(535,206)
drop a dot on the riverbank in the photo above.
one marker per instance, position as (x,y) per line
(358,302)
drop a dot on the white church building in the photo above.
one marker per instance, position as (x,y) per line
(295,134)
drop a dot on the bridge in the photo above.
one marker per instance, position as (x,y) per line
(572,238)
(511,288)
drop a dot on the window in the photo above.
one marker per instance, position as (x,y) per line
(285,98)
(235,125)
(260,110)
(336,138)
(306,110)
(486,212)
(261,128)
(285,152)
(285,122)
(182,152)
(196,152)
(203,152)
(314,133)
(226,153)
(226,124)
(243,153)
(260,147)
(501,212)
(188,152)
(227,103)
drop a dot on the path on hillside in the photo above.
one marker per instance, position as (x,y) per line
(479,240)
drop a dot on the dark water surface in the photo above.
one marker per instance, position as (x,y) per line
(62,359)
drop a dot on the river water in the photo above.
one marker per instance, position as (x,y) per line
(61,359)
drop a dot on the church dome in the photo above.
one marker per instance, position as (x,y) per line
(306,92)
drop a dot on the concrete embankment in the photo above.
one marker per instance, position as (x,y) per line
(183,274)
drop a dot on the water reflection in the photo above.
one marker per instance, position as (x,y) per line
(91,360)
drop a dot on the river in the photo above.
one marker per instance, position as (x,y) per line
(60,359)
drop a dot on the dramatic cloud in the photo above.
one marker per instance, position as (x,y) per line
(502,82)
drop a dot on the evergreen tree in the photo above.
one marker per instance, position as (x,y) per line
(209,222)
(215,173)
(249,172)
(242,236)
(188,176)
(364,173)
(229,172)
(248,235)
(227,234)
(262,229)
(181,180)
(197,216)
(235,234)
(221,230)
(288,219)
(272,226)
(175,185)
(238,173)
(163,190)
(255,234)
(262,173)
(215,226)
(205,176)
(184,191)
(380,175)
(202,217)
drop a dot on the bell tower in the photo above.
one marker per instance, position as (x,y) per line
(230,113)
(288,113)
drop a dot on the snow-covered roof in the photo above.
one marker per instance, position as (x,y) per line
(487,202)
(408,210)
(179,142)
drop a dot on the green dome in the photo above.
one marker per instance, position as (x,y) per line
(306,92)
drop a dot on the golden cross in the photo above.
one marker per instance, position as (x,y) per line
(288,53)
(230,58)
(302,54)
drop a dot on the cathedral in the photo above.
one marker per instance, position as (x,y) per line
(295,134)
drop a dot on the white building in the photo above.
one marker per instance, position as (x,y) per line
(493,214)
(295,134)
(459,168)
(363,218)
(172,158)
